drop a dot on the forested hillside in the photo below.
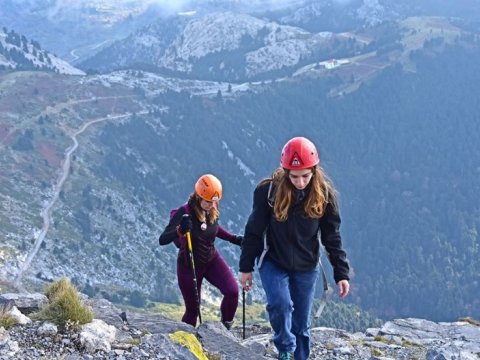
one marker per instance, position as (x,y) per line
(399,141)
(403,152)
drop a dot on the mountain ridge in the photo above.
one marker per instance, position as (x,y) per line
(160,133)
(18,53)
(212,41)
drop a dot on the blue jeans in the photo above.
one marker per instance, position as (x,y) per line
(289,302)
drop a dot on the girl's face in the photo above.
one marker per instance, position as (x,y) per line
(300,178)
(206,205)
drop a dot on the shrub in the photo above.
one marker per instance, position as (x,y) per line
(137,299)
(7,321)
(134,342)
(64,305)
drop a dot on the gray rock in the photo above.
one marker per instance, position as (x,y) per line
(47,329)
(153,323)
(26,303)
(218,341)
(6,305)
(141,335)
(19,317)
(165,348)
(97,335)
(8,347)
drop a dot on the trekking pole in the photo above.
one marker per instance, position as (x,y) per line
(327,290)
(243,318)
(197,295)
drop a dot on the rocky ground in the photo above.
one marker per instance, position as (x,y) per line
(151,336)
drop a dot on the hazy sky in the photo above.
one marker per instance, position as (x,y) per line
(171,4)
(187,4)
(177,5)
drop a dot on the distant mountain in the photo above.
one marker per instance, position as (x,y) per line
(74,30)
(259,42)
(91,165)
(19,53)
(222,46)
(77,30)
(344,15)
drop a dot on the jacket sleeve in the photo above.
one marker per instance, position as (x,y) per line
(331,239)
(226,235)
(252,244)
(170,233)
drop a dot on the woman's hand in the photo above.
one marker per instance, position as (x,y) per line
(344,287)
(237,240)
(246,279)
(186,224)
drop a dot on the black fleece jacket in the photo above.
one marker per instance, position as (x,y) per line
(293,244)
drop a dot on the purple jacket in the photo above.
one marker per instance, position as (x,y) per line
(202,240)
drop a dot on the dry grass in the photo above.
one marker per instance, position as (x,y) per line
(64,305)
(254,313)
(7,321)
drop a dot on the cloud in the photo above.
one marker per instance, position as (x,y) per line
(173,5)
(342,2)
(57,7)
(183,5)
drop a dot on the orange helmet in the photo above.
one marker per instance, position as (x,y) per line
(209,188)
(299,153)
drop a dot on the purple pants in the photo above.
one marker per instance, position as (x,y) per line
(217,273)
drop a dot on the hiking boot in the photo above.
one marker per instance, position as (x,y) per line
(284,355)
(227,324)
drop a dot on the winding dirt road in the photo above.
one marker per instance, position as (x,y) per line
(46,212)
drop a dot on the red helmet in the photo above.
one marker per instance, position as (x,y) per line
(299,153)
(209,188)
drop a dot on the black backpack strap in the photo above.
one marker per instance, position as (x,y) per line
(270,200)
(271,194)
(327,290)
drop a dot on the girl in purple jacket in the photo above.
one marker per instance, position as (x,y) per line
(201,221)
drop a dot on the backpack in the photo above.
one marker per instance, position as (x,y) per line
(185,206)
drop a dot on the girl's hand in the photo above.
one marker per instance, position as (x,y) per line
(344,287)
(246,279)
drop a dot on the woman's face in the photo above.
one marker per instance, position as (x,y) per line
(300,178)
(206,205)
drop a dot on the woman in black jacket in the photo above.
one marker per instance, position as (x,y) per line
(291,209)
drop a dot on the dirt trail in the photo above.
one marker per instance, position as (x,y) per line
(46,211)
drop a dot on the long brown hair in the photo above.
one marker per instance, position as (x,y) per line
(194,202)
(321,193)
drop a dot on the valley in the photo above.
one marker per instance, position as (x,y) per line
(92,163)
